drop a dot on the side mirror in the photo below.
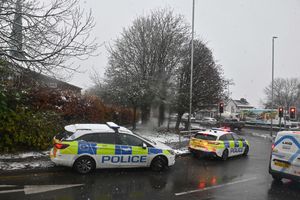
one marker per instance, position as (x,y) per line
(144,145)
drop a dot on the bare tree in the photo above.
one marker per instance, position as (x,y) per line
(286,93)
(146,56)
(45,36)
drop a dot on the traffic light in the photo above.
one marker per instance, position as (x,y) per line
(221,107)
(280,112)
(292,113)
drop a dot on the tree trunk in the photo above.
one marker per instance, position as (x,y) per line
(161,116)
(179,116)
(145,114)
(134,118)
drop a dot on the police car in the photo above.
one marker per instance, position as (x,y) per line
(218,143)
(86,147)
(285,156)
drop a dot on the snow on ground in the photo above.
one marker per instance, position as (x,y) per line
(8,165)
(32,154)
(164,137)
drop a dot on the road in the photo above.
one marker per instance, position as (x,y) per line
(237,178)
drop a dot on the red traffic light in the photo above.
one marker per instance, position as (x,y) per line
(280,111)
(292,112)
(221,107)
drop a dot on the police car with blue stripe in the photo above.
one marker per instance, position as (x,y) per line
(86,147)
(285,157)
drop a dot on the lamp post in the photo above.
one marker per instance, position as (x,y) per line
(192,63)
(272,90)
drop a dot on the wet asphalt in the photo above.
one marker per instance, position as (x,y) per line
(191,178)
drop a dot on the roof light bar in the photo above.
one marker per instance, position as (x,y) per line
(113,126)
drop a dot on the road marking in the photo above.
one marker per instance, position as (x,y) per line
(216,186)
(33,189)
(3,186)
(11,191)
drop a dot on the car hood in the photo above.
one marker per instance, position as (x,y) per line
(160,145)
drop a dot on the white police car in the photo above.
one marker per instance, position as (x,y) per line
(88,146)
(218,143)
(285,157)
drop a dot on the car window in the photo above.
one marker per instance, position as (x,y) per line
(88,138)
(105,138)
(229,137)
(223,138)
(130,140)
(235,137)
(205,136)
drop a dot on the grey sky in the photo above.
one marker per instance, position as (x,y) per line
(239,32)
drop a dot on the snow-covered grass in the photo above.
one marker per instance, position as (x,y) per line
(7,165)
(33,154)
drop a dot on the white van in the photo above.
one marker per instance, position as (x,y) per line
(285,157)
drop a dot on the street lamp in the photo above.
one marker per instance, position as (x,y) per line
(192,63)
(272,91)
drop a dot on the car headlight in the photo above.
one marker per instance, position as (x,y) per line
(172,152)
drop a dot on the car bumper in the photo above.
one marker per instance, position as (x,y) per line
(61,159)
(284,175)
(203,153)
(171,160)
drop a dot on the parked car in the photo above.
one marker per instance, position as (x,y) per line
(231,123)
(86,147)
(185,117)
(208,121)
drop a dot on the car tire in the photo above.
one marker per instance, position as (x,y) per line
(159,164)
(246,151)
(276,178)
(84,165)
(225,155)
(195,154)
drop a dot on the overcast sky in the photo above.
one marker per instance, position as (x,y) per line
(239,32)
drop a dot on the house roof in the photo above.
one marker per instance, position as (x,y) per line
(242,103)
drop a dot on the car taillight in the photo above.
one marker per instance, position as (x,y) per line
(213,142)
(61,146)
(273,146)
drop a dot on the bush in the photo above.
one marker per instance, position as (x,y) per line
(27,130)
(30,118)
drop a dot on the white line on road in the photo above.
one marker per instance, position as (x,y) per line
(11,191)
(3,186)
(215,187)
(33,189)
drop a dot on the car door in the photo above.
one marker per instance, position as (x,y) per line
(238,148)
(230,144)
(106,150)
(131,150)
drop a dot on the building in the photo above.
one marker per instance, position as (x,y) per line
(236,106)
(20,77)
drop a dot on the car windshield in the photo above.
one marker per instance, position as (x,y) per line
(145,138)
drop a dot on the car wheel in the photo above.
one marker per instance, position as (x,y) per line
(84,165)
(159,164)
(246,151)
(225,155)
(276,178)
(195,154)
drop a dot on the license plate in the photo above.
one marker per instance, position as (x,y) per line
(281,164)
